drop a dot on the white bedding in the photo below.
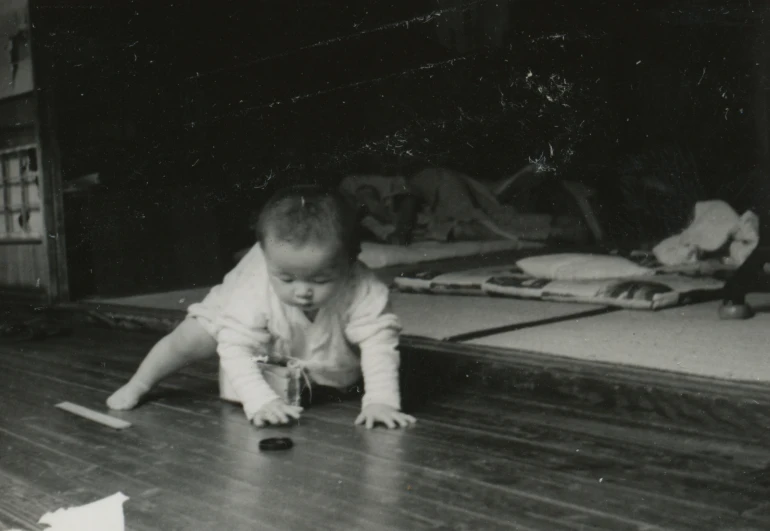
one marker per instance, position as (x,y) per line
(378,255)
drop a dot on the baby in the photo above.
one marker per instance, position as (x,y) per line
(298,296)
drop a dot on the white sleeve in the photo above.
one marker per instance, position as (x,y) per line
(375,329)
(243,334)
(220,293)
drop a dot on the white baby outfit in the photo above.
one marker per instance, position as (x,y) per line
(354,333)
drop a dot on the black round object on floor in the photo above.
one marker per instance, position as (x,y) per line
(275,444)
(730,311)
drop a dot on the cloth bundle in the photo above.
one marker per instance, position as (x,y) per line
(716,229)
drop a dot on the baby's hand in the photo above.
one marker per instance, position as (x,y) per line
(276,412)
(388,415)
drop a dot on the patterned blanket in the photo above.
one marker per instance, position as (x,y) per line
(650,292)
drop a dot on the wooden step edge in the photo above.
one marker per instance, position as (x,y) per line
(494,365)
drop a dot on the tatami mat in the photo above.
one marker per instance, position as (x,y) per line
(443,316)
(688,339)
(168,300)
(431,316)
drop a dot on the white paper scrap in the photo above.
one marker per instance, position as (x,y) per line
(103,515)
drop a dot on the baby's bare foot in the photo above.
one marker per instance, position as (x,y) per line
(128,396)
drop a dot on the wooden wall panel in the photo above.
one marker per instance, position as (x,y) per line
(17,121)
(23,267)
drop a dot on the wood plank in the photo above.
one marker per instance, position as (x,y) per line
(629,409)
(503,367)
(22,504)
(24,264)
(319,471)
(78,482)
(49,162)
(517,464)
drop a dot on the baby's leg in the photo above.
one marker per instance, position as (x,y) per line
(189,342)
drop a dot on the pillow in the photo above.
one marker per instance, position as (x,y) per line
(574,266)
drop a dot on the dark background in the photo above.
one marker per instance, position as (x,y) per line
(193,112)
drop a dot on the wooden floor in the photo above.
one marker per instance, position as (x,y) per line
(481,457)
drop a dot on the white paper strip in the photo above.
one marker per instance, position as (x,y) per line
(90,414)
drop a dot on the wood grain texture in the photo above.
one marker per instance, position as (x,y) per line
(510,367)
(481,457)
(23,265)
(17,121)
(49,161)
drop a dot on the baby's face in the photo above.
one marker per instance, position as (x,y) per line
(306,276)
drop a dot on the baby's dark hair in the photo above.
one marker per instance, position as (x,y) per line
(310,213)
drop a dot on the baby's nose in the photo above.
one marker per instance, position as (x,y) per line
(304,291)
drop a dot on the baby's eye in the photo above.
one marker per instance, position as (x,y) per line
(322,280)
(285,279)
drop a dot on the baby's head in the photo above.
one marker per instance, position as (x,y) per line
(309,237)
